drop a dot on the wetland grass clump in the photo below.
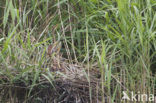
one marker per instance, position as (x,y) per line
(76,51)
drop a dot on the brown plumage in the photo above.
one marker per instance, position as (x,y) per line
(54,48)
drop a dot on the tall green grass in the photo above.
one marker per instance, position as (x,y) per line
(117,35)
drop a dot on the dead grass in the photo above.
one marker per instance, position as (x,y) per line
(70,86)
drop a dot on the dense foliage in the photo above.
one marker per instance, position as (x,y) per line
(117,38)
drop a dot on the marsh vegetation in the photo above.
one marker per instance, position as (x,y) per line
(76,51)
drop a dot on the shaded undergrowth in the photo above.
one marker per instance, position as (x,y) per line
(76,51)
